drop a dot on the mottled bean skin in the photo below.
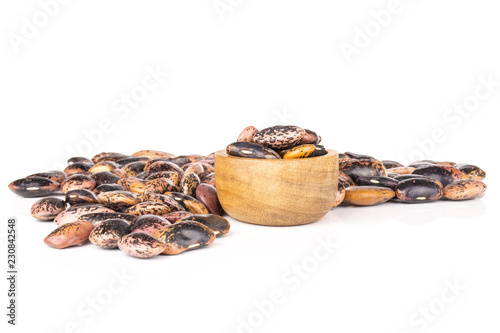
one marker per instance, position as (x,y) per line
(247,134)
(108,188)
(219,225)
(388,164)
(108,233)
(401,170)
(464,189)
(251,150)
(444,174)
(470,171)
(149,224)
(152,154)
(78,159)
(301,151)
(189,183)
(362,168)
(368,195)
(279,137)
(57,176)
(47,209)
(131,159)
(346,179)
(105,177)
(408,176)
(104,166)
(310,137)
(188,202)
(175,216)
(149,207)
(77,168)
(170,175)
(378,181)
(158,166)
(339,197)
(31,187)
(71,214)
(165,199)
(80,196)
(96,218)
(360,157)
(132,169)
(141,245)
(77,182)
(118,200)
(71,234)
(415,190)
(320,151)
(113,157)
(185,236)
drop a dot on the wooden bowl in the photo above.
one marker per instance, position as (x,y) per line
(277,192)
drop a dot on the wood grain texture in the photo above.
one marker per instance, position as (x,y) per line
(277,192)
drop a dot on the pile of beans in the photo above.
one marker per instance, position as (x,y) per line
(277,142)
(145,204)
(365,180)
(152,202)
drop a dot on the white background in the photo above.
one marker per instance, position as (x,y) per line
(259,63)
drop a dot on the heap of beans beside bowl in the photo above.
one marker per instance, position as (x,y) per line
(365,181)
(276,142)
(152,202)
(145,204)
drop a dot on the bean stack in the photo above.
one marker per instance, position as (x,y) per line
(365,180)
(276,142)
(145,204)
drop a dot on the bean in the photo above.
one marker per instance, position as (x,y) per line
(218,224)
(301,151)
(444,174)
(378,181)
(118,200)
(279,137)
(368,195)
(80,196)
(149,224)
(470,171)
(416,190)
(251,150)
(107,234)
(96,218)
(33,187)
(57,176)
(207,195)
(77,182)
(464,189)
(77,167)
(362,168)
(71,214)
(141,245)
(47,209)
(189,183)
(71,234)
(247,134)
(181,237)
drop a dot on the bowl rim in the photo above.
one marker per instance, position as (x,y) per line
(330,153)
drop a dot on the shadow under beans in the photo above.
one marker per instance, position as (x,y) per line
(411,214)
